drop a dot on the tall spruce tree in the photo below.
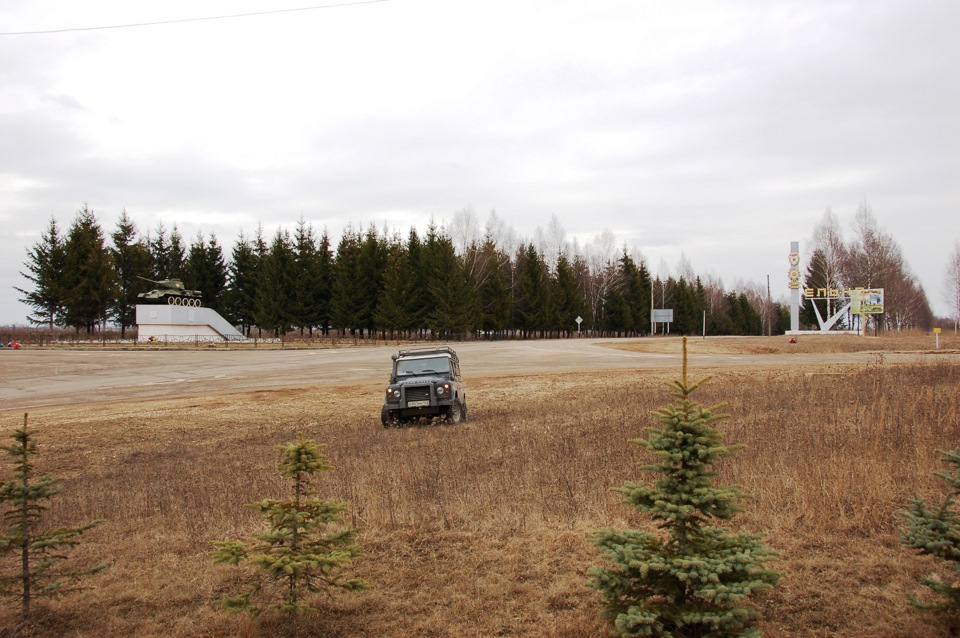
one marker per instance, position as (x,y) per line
(216,283)
(687,317)
(818,279)
(568,298)
(532,299)
(45,271)
(692,579)
(89,275)
(452,299)
(241,289)
(275,285)
(636,291)
(131,259)
(393,312)
(325,274)
(308,283)
(38,550)
(160,252)
(616,317)
(419,303)
(299,554)
(346,303)
(204,270)
(168,253)
(493,293)
(176,254)
(935,531)
(372,263)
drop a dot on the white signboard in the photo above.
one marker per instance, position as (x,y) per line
(663,315)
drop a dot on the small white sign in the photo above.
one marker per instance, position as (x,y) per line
(663,315)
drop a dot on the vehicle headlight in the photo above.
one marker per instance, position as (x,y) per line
(393,394)
(443,390)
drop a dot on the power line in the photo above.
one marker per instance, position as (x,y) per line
(181,20)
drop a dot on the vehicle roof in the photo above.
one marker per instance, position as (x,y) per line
(427,351)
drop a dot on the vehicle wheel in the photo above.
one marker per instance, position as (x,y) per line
(455,413)
(171,301)
(387,418)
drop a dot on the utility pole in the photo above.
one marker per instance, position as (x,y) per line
(768,309)
(653,325)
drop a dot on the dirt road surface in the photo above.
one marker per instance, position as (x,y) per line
(31,378)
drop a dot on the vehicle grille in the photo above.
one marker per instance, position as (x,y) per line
(417,393)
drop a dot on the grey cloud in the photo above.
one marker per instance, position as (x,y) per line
(66,101)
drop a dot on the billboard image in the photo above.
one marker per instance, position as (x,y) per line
(867,301)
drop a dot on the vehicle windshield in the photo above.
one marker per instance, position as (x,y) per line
(427,365)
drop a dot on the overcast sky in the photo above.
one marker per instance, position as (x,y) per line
(717,132)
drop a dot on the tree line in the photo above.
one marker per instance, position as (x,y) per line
(447,282)
(872,259)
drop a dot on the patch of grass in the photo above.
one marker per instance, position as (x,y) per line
(805,344)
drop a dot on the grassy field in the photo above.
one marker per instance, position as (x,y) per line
(482,529)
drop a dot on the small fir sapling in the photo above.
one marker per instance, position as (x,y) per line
(935,531)
(38,551)
(691,579)
(297,555)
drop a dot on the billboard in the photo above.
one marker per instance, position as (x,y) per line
(662,315)
(867,301)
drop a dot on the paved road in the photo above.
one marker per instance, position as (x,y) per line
(32,378)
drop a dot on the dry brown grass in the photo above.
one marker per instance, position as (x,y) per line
(481,529)
(949,342)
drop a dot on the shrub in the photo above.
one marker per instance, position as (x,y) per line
(692,579)
(935,531)
(38,552)
(298,553)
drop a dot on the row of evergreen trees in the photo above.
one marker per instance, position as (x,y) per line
(373,282)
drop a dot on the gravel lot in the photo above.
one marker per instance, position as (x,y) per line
(31,378)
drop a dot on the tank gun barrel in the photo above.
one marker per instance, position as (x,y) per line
(150,280)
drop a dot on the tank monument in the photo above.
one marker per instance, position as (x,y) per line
(170,312)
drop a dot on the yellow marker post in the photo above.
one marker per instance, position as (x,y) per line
(936,331)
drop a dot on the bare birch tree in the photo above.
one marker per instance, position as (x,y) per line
(828,239)
(552,242)
(464,230)
(874,256)
(685,268)
(604,274)
(951,285)
(874,260)
(502,234)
